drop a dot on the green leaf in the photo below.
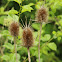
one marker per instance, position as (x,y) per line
(18,1)
(31,4)
(1,9)
(14,17)
(52,45)
(5,57)
(59,38)
(13,11)
(60,22)
(10,18)
(9,46)
(10,37)
(37,6)
(2,19)
(5,32)
(26,8)
(54,32)
(46,37)
(13,57)
(36,26)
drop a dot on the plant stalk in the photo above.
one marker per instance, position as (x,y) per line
(15,47)
(39,42)
(29,55)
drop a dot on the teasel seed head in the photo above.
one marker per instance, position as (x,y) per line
(27,37)
(14,28)
(42,14)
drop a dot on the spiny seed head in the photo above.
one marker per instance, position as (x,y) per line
(27,37)
(42,14)
(14,28)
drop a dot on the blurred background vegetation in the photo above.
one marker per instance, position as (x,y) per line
(51,38)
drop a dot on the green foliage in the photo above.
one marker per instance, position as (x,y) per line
(27,8)
(46,37)
(9,46)
(52,46)
(51,33)
(10,57)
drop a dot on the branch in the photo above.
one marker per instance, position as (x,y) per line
(39,42)
(15,48)
(29,55)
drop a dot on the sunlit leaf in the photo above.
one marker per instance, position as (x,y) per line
(26,8)
(52,45)
(46,37)
(2,19)
(36,26)
(9,46)
(5,57)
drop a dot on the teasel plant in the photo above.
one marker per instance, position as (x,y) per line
(14,30)
(27,38)
(41,17)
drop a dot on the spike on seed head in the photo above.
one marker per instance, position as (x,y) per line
(27,37)
(14,28)
(42,14)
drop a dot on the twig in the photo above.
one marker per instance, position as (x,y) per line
(20,9)
(6,5)
(15,48)
(39,42)
(29,55)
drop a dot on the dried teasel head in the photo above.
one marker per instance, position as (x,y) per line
(14,28)
(27,37)
(42,14)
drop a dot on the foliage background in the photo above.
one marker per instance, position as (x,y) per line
(51,38)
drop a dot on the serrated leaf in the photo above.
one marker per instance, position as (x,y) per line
(26,8)
(31,4)
(52,45)
(13,11)
(18,1)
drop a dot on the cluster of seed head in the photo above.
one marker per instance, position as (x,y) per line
(42,14)
(14,28)
(27,37)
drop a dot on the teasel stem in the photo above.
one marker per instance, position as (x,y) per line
(15,47)
(39,41)
(1,51)
(29,55)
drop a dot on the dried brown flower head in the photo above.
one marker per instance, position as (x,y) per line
(27,37)
(42,14)
(14,28)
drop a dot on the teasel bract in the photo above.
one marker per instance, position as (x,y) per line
(14,30)
(27,38)
(41,16)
